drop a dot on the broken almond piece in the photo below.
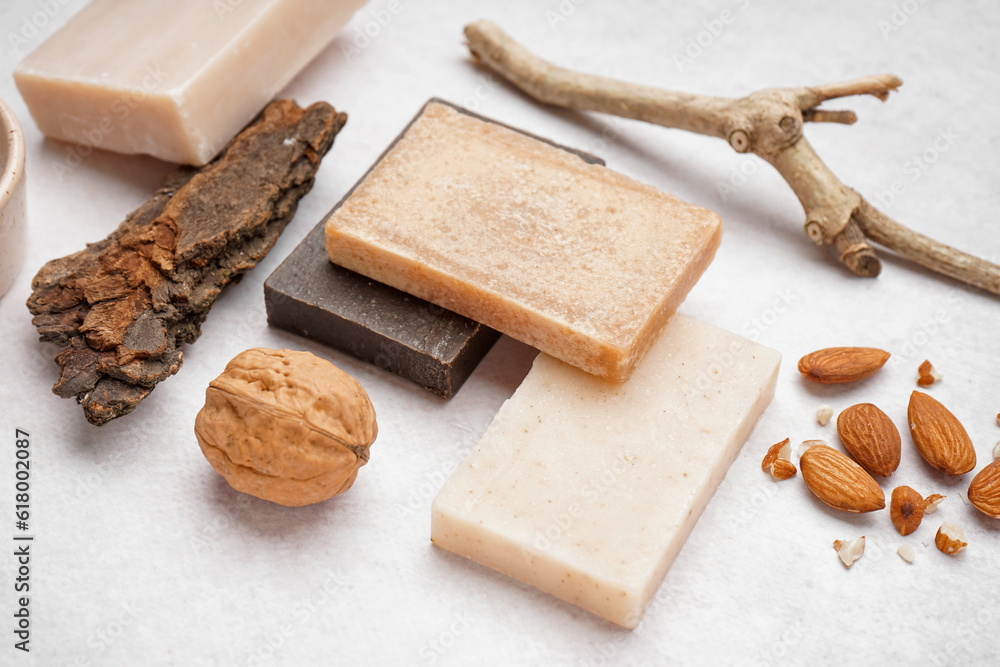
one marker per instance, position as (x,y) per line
(850,550)
(907,509)
(933,501)
(984,491)
(996,451)
(776,461)
(783,469)
(823,414)
(806,444)
(927,374)
(837,365)
(905,552)
(950,538)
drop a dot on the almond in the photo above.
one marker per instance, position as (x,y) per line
(836,365)
(939,436)
(950,538)
(984,492)
(906,507)
(870,437)
(840,482)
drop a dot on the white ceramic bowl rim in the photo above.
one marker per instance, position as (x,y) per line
(13,165)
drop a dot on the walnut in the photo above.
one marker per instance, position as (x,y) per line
(286,426)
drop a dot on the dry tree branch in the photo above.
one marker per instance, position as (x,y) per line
(768,123)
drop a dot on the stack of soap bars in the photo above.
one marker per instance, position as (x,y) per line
(592,475)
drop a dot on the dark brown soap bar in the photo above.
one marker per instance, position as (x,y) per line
(123,308)
(313,297)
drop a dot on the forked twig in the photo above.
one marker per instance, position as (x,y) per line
(768,123)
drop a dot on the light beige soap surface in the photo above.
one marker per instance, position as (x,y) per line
(176,79)
(588,489)
(573,258)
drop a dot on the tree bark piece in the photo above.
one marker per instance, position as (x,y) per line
(768,123)
(123,308)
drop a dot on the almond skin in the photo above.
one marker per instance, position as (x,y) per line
(939,436)
(984,492)
(871,438)
(950,539)
(840,482)
(837,365)
(906,507)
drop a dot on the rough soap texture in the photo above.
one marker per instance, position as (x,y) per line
(286,426)
(573,258)
(588,489)
(123,307)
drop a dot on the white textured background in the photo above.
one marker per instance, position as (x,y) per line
(144,556)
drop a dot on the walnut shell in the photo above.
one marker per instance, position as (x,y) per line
(286,426)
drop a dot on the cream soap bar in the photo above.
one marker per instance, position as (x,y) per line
(515,233)
(176,79)
(588,489)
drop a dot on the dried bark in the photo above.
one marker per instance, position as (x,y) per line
(768,123)
(123,308)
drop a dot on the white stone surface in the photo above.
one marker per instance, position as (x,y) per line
(145,556)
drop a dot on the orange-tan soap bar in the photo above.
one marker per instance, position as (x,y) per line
(582,262)
(176,80)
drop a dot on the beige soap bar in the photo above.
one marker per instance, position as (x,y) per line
(588,489)
(169,78)
(570,257)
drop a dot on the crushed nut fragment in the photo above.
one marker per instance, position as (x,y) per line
(950,538)
(905,552)
(932,501)
(776,461)
(928,375)
(850,550)
(806,444)
(783,469)
(824,414)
